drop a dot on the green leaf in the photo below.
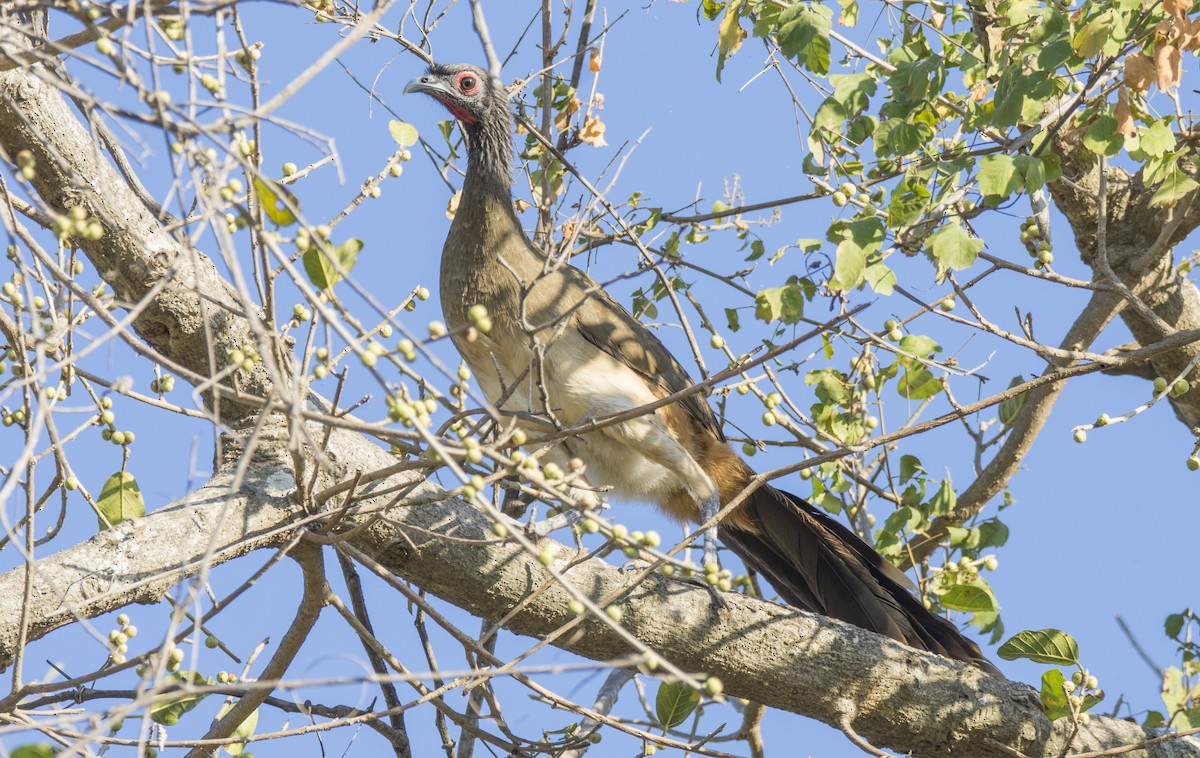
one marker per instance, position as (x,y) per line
(1054,696)
(1033,170)
(1173,188)
(1158,139)
(404,134)
(1090,40)
(848,267)
(784,304)
(729,34)
(272,196)
(992,533)
(33,751)
(1011,406)
(1011,91)
(998,175)
(829,386)
(731,318)
(1049,646)
(326,265)
(1180,699)
(1102,136)
(849,17)
(898,136)
(168,709)
(903,520)
(919,345)
(857,241)
(952,249)
(970,598)
(851,96)
(120,499)
(244,729)
(674,702)
(1054,55)
(918,383)
(943,500)
(803,33)
(881,278)
(1052,166)
(910,200)
(913,80)
(910,466)
(1173,625)
(651,222)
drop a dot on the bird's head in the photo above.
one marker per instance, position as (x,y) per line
(465,90)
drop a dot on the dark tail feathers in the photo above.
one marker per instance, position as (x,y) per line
(819,565)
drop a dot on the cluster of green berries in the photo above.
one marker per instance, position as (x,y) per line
(27,164)
(110,433)
(244,357)
(77,224)
(118,640)
(891,329)
(965,567)
(847,192)
(246,58)
(480,319)
(1039,249)
(14,417)
(213,85)
(1081,684)
(163,384)
(1178,388)
(410,412)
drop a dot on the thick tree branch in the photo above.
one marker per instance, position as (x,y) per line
(193,316)
(1137,247)
(908,700)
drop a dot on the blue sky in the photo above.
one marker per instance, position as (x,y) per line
(1098,530)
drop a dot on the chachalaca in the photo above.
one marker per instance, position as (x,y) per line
(561,349)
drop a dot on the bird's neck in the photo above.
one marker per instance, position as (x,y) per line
(489,157)
(486,251)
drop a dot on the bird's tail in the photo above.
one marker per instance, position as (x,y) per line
(819,565)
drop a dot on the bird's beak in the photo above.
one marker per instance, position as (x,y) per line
(428,84)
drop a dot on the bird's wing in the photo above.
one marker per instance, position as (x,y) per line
(605,323)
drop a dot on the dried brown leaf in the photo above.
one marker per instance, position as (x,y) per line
(1123,114)
(593,132)
(1177,8)
(1168,64)
(1139,72)
(1189,37)
(595,60)
(563,119)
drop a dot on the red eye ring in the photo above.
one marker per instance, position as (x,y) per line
(468,83)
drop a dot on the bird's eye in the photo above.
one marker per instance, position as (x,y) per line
(468,84)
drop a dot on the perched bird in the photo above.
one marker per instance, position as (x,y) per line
(560,349)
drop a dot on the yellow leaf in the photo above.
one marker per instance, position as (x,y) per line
(729,34)
(594,61)
(1090,40)
(404,134)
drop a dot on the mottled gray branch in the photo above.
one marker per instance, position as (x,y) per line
(906,700)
